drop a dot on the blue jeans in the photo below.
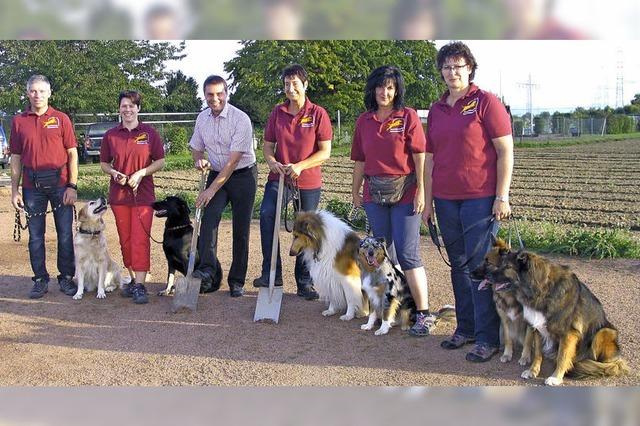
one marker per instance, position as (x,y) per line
(37,202)
(309,200)
(475,310)
(400,228)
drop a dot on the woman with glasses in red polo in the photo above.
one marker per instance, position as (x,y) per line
(468,171)
(130,154)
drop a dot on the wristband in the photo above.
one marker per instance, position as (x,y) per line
(72,186)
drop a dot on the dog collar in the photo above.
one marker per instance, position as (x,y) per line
(173,228)
(84,231)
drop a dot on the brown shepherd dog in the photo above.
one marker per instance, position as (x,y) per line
(514,327)
(567,315)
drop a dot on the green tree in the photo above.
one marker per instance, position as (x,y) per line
(85,75)
(337,69)
(636,99)
(182,94)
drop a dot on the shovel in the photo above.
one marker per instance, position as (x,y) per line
(188,287)
(270,298)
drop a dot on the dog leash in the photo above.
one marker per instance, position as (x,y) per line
(292,195)
(435,237)
(513,228)
(18,226)
(354,218)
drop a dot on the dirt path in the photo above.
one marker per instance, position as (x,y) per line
(58,341)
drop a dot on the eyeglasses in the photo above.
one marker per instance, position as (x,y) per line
(452,67)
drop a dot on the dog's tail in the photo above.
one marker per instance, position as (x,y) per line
(604,357)
(446,314)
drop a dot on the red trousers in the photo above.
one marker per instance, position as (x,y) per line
(134,228)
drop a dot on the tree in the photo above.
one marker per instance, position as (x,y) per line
(182,94)
(337,69)
(85,75)
(636,99)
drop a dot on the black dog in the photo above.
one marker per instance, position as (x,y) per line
(176,243)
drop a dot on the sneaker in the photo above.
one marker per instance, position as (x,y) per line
(259,282)
(236,291)
(139,294)
(309,293)
(423,325)
(40,287)
(67,286)
(127,289)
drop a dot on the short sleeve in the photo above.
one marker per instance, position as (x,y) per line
(242,140)
(197,143)
(68,135)
(105,149)
(157,147)
(414,133)
(357,153)
(325,131)
(15,141)
(495,118)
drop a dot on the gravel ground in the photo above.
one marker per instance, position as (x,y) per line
(61,342)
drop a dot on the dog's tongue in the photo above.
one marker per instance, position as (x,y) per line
(372,261)
(484,284)
(158,213)
(500,286)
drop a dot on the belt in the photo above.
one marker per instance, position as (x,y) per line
(244,169)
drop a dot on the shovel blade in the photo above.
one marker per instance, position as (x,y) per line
(268,305)
(186,295)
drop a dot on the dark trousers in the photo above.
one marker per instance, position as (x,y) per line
(239,191)
(309,200)
(36,203)
(475,310)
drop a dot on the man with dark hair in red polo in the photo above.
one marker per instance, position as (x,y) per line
(43,150)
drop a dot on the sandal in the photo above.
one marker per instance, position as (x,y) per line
(481,353)
(456,341)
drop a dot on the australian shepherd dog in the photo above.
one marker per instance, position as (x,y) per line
(565,313)
(329,248)
(385,285)
(95,269)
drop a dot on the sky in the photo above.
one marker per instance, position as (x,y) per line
(565,74)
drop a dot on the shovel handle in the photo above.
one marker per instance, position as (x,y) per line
(196,229)
(276,235)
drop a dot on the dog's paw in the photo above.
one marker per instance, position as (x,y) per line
(162,293)
(77,296)
(366,326)
(524,360)
(384,329)
(328,312)
(529,374)
(553,381)
(346,317)
(505,358)
(101,294)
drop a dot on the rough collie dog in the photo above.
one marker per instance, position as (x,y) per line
(568,316)
(330,248)
(385,285)
(94,267)
(513,326)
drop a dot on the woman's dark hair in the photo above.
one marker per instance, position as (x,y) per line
(215,79)
(379,78)
(457,49)
(132,95)
(295,70)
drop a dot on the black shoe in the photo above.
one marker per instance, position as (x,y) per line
(67,286)
(309,293)
(40,287)
(236,291)
(139,294)
(127,289)
(259,282)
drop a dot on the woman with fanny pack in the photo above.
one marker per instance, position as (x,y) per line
(388,150)
(130,153)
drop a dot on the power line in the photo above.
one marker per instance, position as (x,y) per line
(529,87)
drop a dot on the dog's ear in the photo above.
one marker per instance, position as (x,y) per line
(82,216)
(522,257)
(382,241)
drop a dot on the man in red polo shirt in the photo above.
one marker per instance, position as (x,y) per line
(43,151)
(302,133)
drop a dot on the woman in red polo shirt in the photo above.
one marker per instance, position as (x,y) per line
(388,141)
(467,176)
(297,140)
(130,154)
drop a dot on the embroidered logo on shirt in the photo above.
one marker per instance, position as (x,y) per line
(396,125)
(51,123)
(307,121)
(470,107)
(142,139)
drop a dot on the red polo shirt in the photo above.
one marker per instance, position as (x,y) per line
(129,151)
(42,142)
(464,158)
(387,147)
(297,138)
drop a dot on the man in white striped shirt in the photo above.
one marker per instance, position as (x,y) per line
(226,135)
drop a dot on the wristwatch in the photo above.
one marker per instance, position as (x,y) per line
(503,198)
(72,186)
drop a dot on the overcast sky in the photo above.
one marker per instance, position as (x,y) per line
(566,74)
